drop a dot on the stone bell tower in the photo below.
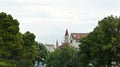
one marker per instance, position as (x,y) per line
(66,37)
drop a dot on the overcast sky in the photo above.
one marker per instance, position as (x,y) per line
(48,19)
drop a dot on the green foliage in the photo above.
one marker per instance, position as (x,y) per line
(16,49)
(10,39)
(7,63)
(28,51)
(53,59)
(29,38)
(41,51)
(25,63)
(66,57)
(103,43)
(3,64)
(83,60)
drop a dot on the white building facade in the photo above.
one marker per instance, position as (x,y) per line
(50,47)
(75,39)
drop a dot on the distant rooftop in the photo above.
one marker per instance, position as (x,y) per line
(78,35)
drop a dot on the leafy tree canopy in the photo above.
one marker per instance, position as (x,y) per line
(66,57)
(103,43)
(17,49)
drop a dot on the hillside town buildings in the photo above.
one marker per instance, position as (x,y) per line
(50,47)
(72,40)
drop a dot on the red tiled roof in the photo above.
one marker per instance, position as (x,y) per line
(78,35)
(49,45)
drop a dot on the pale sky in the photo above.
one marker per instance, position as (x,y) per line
(48,19)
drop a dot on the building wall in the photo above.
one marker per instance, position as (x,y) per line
(76,45)
(50,48)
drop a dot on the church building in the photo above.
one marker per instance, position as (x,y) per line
(72,39)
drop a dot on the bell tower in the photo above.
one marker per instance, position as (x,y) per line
(66,37)
(57,44)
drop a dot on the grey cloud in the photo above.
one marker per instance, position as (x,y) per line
(48,18)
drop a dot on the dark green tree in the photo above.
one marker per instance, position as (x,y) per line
(102,45)
(17,49)
(10,40)
(28,51)
(66,57)
(41,52)
(53,59)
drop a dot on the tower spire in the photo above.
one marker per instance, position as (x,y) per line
(66,37)
(57,44)
(66,33)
